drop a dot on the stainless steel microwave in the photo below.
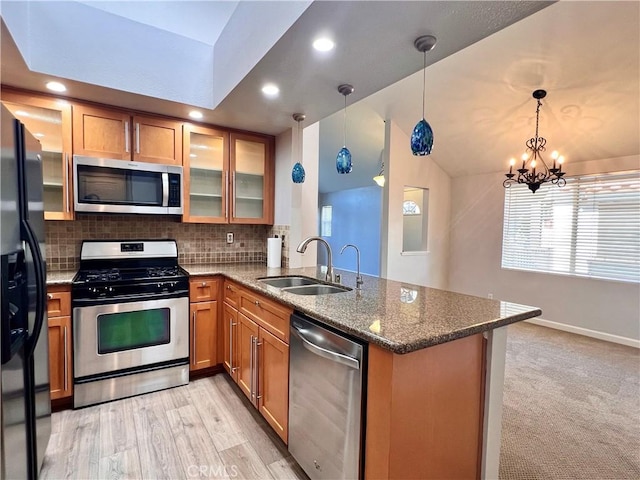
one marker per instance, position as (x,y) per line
(121,186)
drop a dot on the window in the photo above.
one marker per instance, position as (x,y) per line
(409,207)
(590,227)
(325,221)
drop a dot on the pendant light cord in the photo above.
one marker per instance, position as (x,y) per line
(424,80)
(344,126)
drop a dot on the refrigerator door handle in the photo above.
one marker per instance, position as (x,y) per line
(39,268)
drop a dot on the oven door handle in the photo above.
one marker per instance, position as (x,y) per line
(93,302)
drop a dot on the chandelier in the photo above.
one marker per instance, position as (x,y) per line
(535,171)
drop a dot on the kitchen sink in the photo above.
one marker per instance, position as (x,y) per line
(319,289)
(284,282)
(303,285)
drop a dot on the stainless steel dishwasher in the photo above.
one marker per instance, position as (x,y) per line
(326,397)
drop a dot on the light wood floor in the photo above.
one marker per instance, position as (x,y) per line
(201,430)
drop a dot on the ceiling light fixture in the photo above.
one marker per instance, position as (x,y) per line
(343,160)
(270,90)
(196,115)
(56,87)
(323,44)
(532,159)
(297,174)
(422,136)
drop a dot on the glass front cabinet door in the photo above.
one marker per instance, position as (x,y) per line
(206,175)
(252,179)
(49,120)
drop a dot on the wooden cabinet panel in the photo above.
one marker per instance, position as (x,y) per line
(229,336)
(203,289)
(102,133)
(252,167)
(231,293)
(157,140)
(58,301)
(50,119)
(204,325)
(60,376)
(205,158)
(247,331)
(266,313)
(273,384)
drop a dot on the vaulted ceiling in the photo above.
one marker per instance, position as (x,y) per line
(490,56)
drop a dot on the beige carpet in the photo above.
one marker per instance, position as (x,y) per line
(571,407)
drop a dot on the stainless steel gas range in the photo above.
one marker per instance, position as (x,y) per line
(130,320)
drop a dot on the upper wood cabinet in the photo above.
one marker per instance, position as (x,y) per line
(252,179)
(206,175)
(105,133)
(49,120)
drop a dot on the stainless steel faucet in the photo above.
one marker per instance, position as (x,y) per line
(303,247)
(359,280)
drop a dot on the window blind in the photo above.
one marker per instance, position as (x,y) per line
(590,227)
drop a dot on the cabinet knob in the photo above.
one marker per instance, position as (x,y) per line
(257,303)
(204,284)
(228,287)
(49,296)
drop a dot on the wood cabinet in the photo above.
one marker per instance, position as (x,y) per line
(105,133)
(251,163)
(228,178)
(203,294)
(206,175)
(257,355)
(60,346)
(49,120)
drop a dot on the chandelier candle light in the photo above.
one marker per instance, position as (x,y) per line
(298,174)
(532,159)
(343,160)
(422,136)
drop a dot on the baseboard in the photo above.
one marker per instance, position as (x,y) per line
(607,337)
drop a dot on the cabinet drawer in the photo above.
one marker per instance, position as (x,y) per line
(58,301)
(231,294)
(269,315)
(203,289)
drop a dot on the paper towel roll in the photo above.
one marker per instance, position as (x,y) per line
(274,252)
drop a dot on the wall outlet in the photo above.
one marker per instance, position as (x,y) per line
(230,237)
(490,296)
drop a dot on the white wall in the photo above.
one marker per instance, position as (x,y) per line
(404,169)
(283,183)
(601,308)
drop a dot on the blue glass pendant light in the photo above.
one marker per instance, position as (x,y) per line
(297,174)
(422,136)
(343,160)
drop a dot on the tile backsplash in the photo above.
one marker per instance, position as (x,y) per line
(197,243)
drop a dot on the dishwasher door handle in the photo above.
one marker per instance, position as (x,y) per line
(328,354)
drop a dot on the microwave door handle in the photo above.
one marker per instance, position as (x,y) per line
(165,189)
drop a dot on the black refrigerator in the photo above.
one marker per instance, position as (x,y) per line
(25,406)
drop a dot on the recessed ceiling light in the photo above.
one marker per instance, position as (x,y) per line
(270,90)
(56,87)
(192,155)
(39,135)
(196,115)
(22,113)
(323,44)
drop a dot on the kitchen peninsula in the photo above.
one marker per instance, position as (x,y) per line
(434,368)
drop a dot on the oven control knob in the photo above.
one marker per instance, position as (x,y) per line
(109,289)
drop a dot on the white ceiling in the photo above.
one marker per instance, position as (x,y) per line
(479,82)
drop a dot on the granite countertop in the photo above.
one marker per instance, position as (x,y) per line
(60,277)
(396,316)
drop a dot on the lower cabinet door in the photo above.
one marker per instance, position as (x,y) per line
(248,332)
(204,324)
(229,340)
(60,376)
(273,385)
